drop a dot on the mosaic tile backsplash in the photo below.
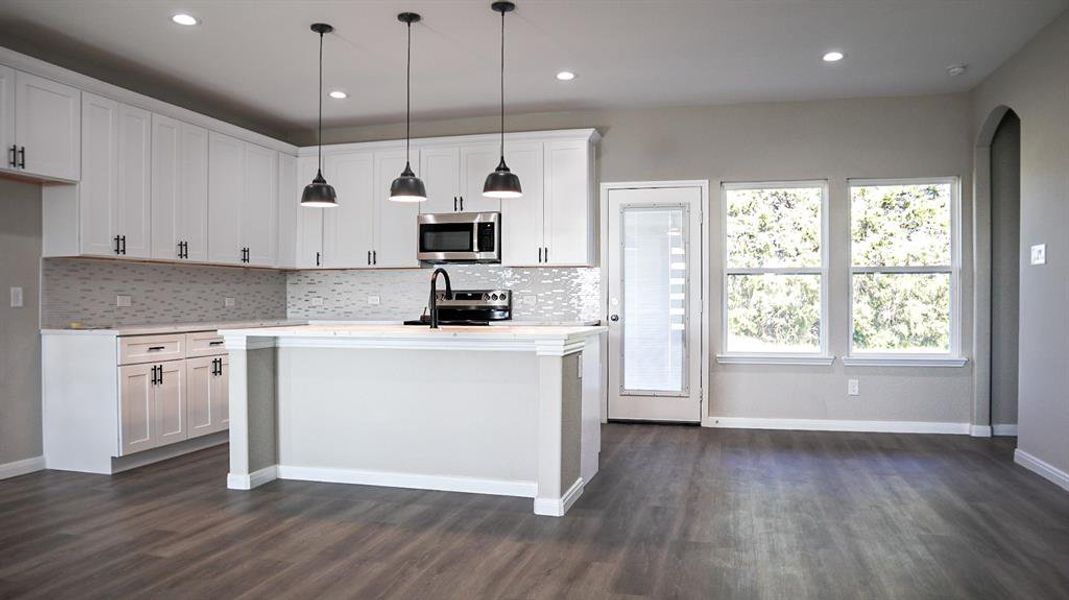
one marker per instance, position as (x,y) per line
(78,289)
(543,294)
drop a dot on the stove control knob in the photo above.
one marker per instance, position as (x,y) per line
(486,296)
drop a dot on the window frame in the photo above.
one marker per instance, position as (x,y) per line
(952,356)
(821,355)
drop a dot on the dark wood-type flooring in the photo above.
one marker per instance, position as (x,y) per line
(676,512)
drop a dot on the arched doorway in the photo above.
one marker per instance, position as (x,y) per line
(1005,271)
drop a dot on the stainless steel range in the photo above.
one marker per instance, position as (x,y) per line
(470,307)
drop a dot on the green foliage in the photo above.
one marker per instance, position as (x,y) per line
(774,227)
(902,312)
(779,313)
(900,225)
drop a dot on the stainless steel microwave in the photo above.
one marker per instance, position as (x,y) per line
(460,237)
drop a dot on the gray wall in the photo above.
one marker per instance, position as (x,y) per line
(1035,84)
(833,140)
(20,344)
(1005,267)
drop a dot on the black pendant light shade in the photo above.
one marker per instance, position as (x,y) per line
(502,183)
(408,187)
(319,193)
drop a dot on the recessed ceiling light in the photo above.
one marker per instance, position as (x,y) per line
(184,19)
(339,95)
(833,56)
(956,70)
(565,76)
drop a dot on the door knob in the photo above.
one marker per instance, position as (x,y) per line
(614,318)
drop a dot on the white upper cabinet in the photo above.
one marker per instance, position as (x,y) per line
(348,229)
(395,235)
(259,209)
(570,203)
(226,195)
(179,190)
(309,220)
(132,210)
(439,168)
(94,197)
(47,128)
(7,118)
(476,162)
(287,211)
(522,241)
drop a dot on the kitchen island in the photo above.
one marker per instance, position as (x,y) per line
(510,410)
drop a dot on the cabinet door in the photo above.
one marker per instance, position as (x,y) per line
(569,214)
(288,203)
(476,162)
(166,135)
(200,382)
(221,396)
(7,117)
(131,216)
(348,227)
(439,168)
(193,191)
(395,222)
(137,409)
(98,189)
(170,398)
(48,126)
(522,241)
(259,210)
(226,192)
(309,220)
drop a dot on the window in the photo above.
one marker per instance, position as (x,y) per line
(775,268)
(903,266)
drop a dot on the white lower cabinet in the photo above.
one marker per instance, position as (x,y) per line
(207,399)
(152,401)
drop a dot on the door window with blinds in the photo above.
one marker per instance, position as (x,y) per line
(655,294)
(775,268)
(903,266)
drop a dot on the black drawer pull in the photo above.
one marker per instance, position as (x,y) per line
(156,348)
(216,343)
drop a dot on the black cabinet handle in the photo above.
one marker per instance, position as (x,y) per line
(317,259)
(547,254)
(161,374)
(14,152)
(540,254)
(216,343)
(22,157)
(369,257)
(117,247)
(462,203)
(156,348)
(374,257)
(123,238)
(454,204)
(153,380)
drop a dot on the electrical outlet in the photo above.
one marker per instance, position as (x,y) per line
(122,301)
(1039,254)
(16,297)
(228,302)
(853,388)
(374,300)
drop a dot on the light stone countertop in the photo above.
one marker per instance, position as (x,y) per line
(124,330)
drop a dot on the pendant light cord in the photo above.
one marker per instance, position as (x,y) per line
(502,85)
(319,135)
(408,98)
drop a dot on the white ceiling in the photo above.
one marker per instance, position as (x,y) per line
(256,59)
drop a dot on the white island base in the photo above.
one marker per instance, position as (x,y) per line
(511,410)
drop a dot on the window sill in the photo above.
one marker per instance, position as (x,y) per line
(904,361)
(775,359)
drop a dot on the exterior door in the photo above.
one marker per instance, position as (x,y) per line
(654,294)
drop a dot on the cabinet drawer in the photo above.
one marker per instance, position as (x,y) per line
(204,343)
(151,348)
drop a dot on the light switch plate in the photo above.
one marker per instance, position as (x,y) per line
(853,388)
(228,302)
(122,301)
(1039,254)
(16,297)
(374,300)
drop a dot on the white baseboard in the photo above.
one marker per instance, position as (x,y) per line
(252,480)
(416,481)
(838,425)
(554,507)
(22,467)
(1042,468)
(1008,429)
(983,431)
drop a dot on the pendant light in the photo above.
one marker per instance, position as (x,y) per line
(502,183)
(320,194)
(408,187)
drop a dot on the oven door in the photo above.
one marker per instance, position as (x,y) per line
(459,237)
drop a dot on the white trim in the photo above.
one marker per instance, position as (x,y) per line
(588,135)
(774,359)
(838,425)
(1004,429)
(552,507)
(1042,468)
(906,360)
(252,480)
(982,431)
(22,467)
(415,481)
(823,270)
